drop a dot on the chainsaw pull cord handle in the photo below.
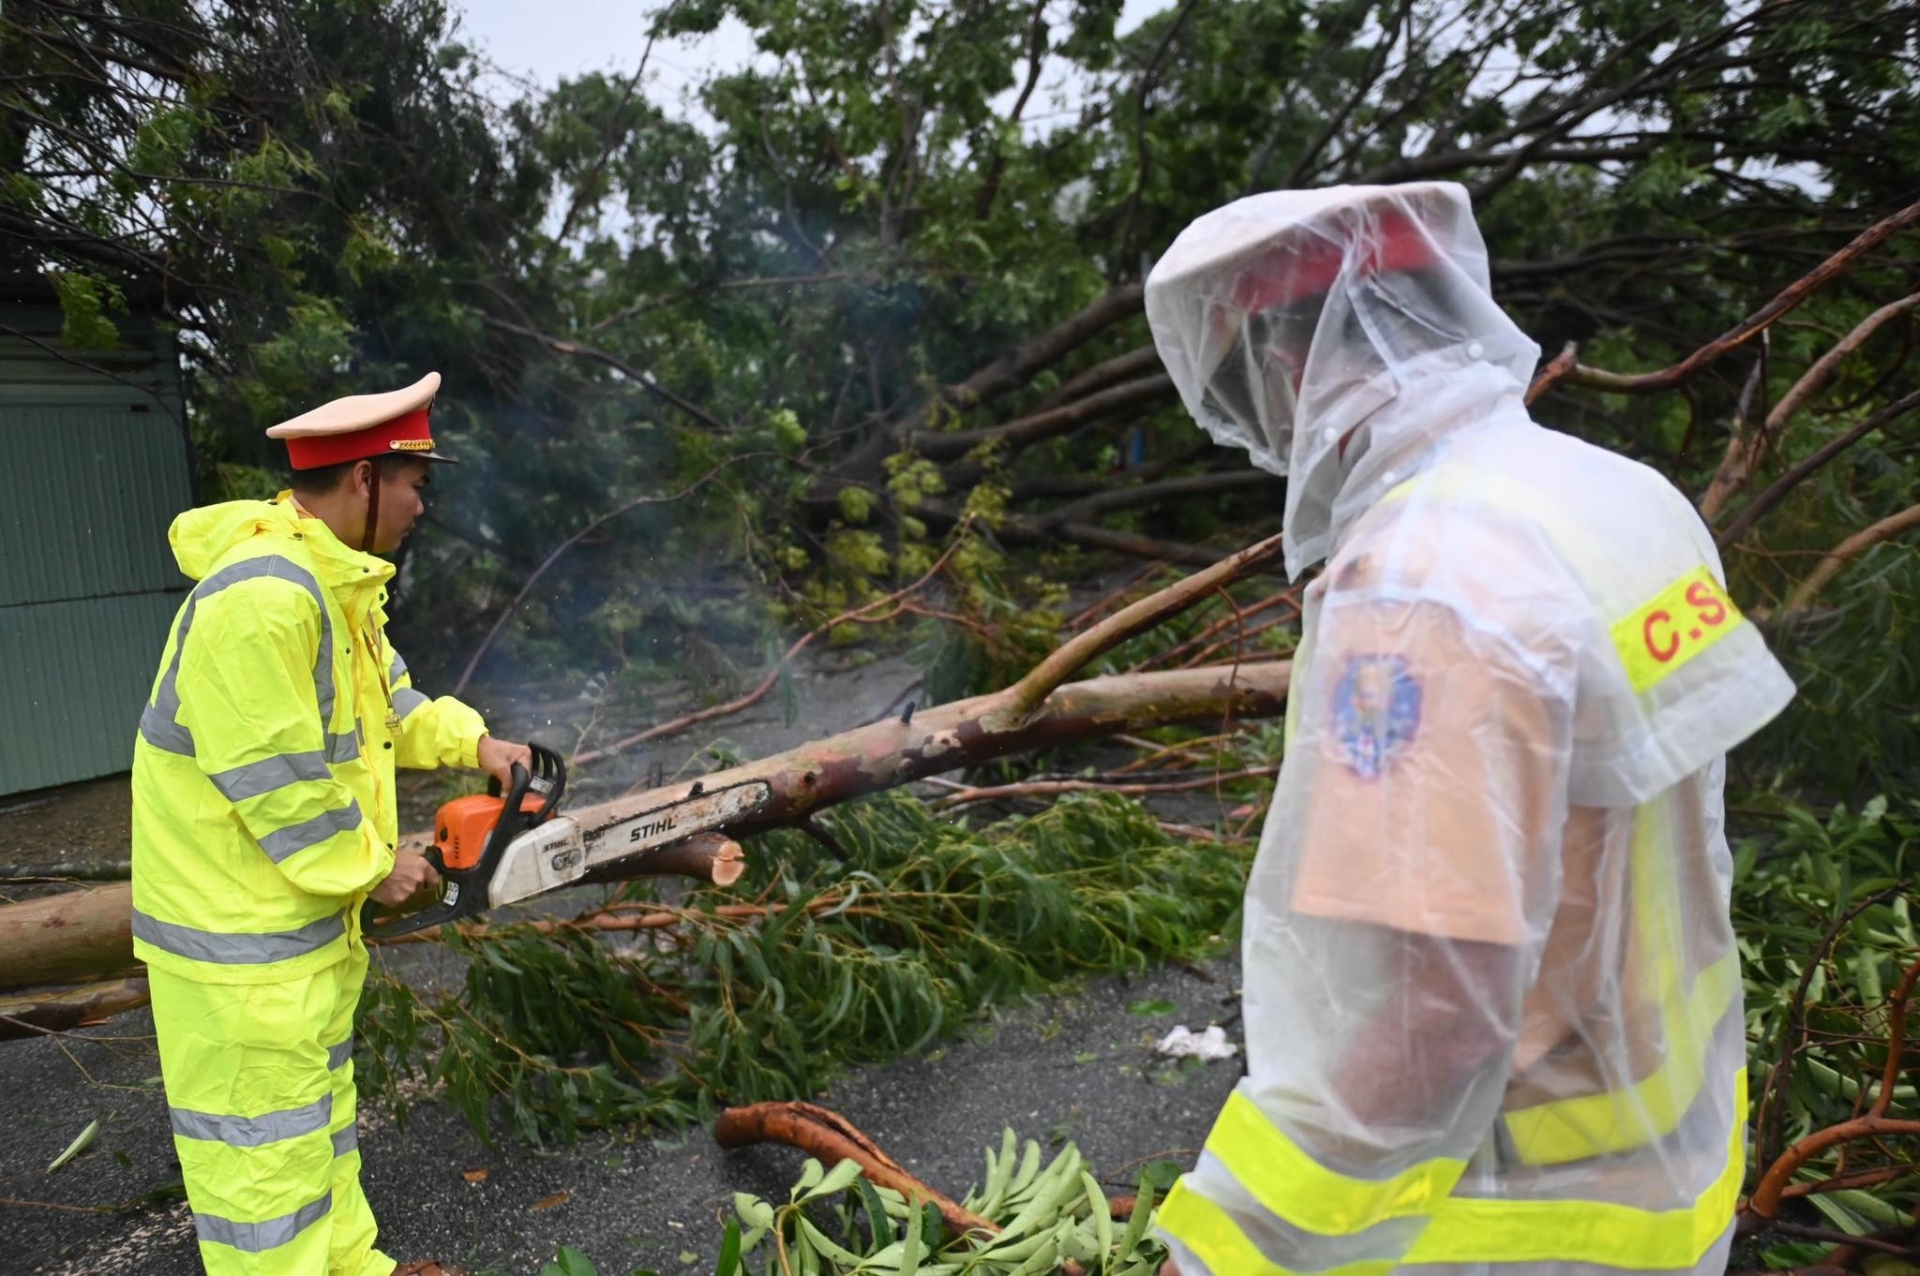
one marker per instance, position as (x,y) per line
(463,891)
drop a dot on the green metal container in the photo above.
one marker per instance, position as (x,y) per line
(94,464)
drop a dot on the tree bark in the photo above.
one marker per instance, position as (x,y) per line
(1217,483)
(1845,552)
(1009,372)
(1134,363)
(35,1012)
(65,938)
(885,755)
(950,445)
(832,1139)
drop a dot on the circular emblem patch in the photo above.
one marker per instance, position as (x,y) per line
(1376,713)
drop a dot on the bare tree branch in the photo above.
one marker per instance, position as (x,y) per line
(644,380)
(1735,471)
(610,136)
(951,444)
(1845,552)
(1763,503)
(1036,60)
(507,612)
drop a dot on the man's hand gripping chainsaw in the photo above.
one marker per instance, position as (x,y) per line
(492,850)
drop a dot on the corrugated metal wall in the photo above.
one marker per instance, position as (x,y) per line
(93,466)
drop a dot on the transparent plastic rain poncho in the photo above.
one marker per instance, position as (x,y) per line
(1489,973)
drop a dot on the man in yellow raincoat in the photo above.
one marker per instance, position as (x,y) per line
(264,814)
(1492,996)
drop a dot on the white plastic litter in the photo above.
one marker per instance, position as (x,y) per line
(1182,1043)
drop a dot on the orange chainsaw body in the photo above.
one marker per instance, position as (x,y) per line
(461,828)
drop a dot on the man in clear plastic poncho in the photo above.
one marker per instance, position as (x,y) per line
(1492,1001)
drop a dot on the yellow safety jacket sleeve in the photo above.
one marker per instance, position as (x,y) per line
(433,732)
(246,689)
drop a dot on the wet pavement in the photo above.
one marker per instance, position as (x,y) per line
(88,823)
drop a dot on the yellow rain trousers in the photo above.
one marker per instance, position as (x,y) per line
(263,812)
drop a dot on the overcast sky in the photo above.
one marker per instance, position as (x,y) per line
(544,40)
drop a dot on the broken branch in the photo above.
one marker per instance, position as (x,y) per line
(1125,367)
(1846,551)
(831,1138)
(1053,788)
(45,1011)
(1742,332)
(947,445)
(1762,505)
(506,613)
(45,940)
(865,612)
(1744,452)
(1134,620)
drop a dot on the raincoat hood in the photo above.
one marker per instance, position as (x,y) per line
(201,537)
(1338,336)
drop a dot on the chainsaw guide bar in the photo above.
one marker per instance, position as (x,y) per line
(559,852)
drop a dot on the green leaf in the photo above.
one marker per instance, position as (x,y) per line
(1151,1007)
(570,1262)
(910,1247)
(810,1176)
(81,1143)
(1136,1229)
(879,1226)
(1840,1216)
(83,305)
(753,1211)
(838,1179)
(729,1264)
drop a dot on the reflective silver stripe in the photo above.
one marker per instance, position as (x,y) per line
(251,1132)
(256,1238)
(291,840)
(337,1056)
(406,700)
(237,949)
(251,779)
(397,670)
(345,1139)
(160,724)
(344,747)
(164,733)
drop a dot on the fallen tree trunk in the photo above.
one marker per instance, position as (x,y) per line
(885,755)
(82,934)
(66,938)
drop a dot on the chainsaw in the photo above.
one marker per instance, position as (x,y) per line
(496,849)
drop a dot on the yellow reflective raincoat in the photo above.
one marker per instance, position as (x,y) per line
(1492,995)
(263,812)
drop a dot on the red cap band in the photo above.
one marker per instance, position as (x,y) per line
(1298,273)
(404,434)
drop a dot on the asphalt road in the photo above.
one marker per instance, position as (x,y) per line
(1078,1066)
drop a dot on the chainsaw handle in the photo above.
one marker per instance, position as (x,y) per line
(463,891)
